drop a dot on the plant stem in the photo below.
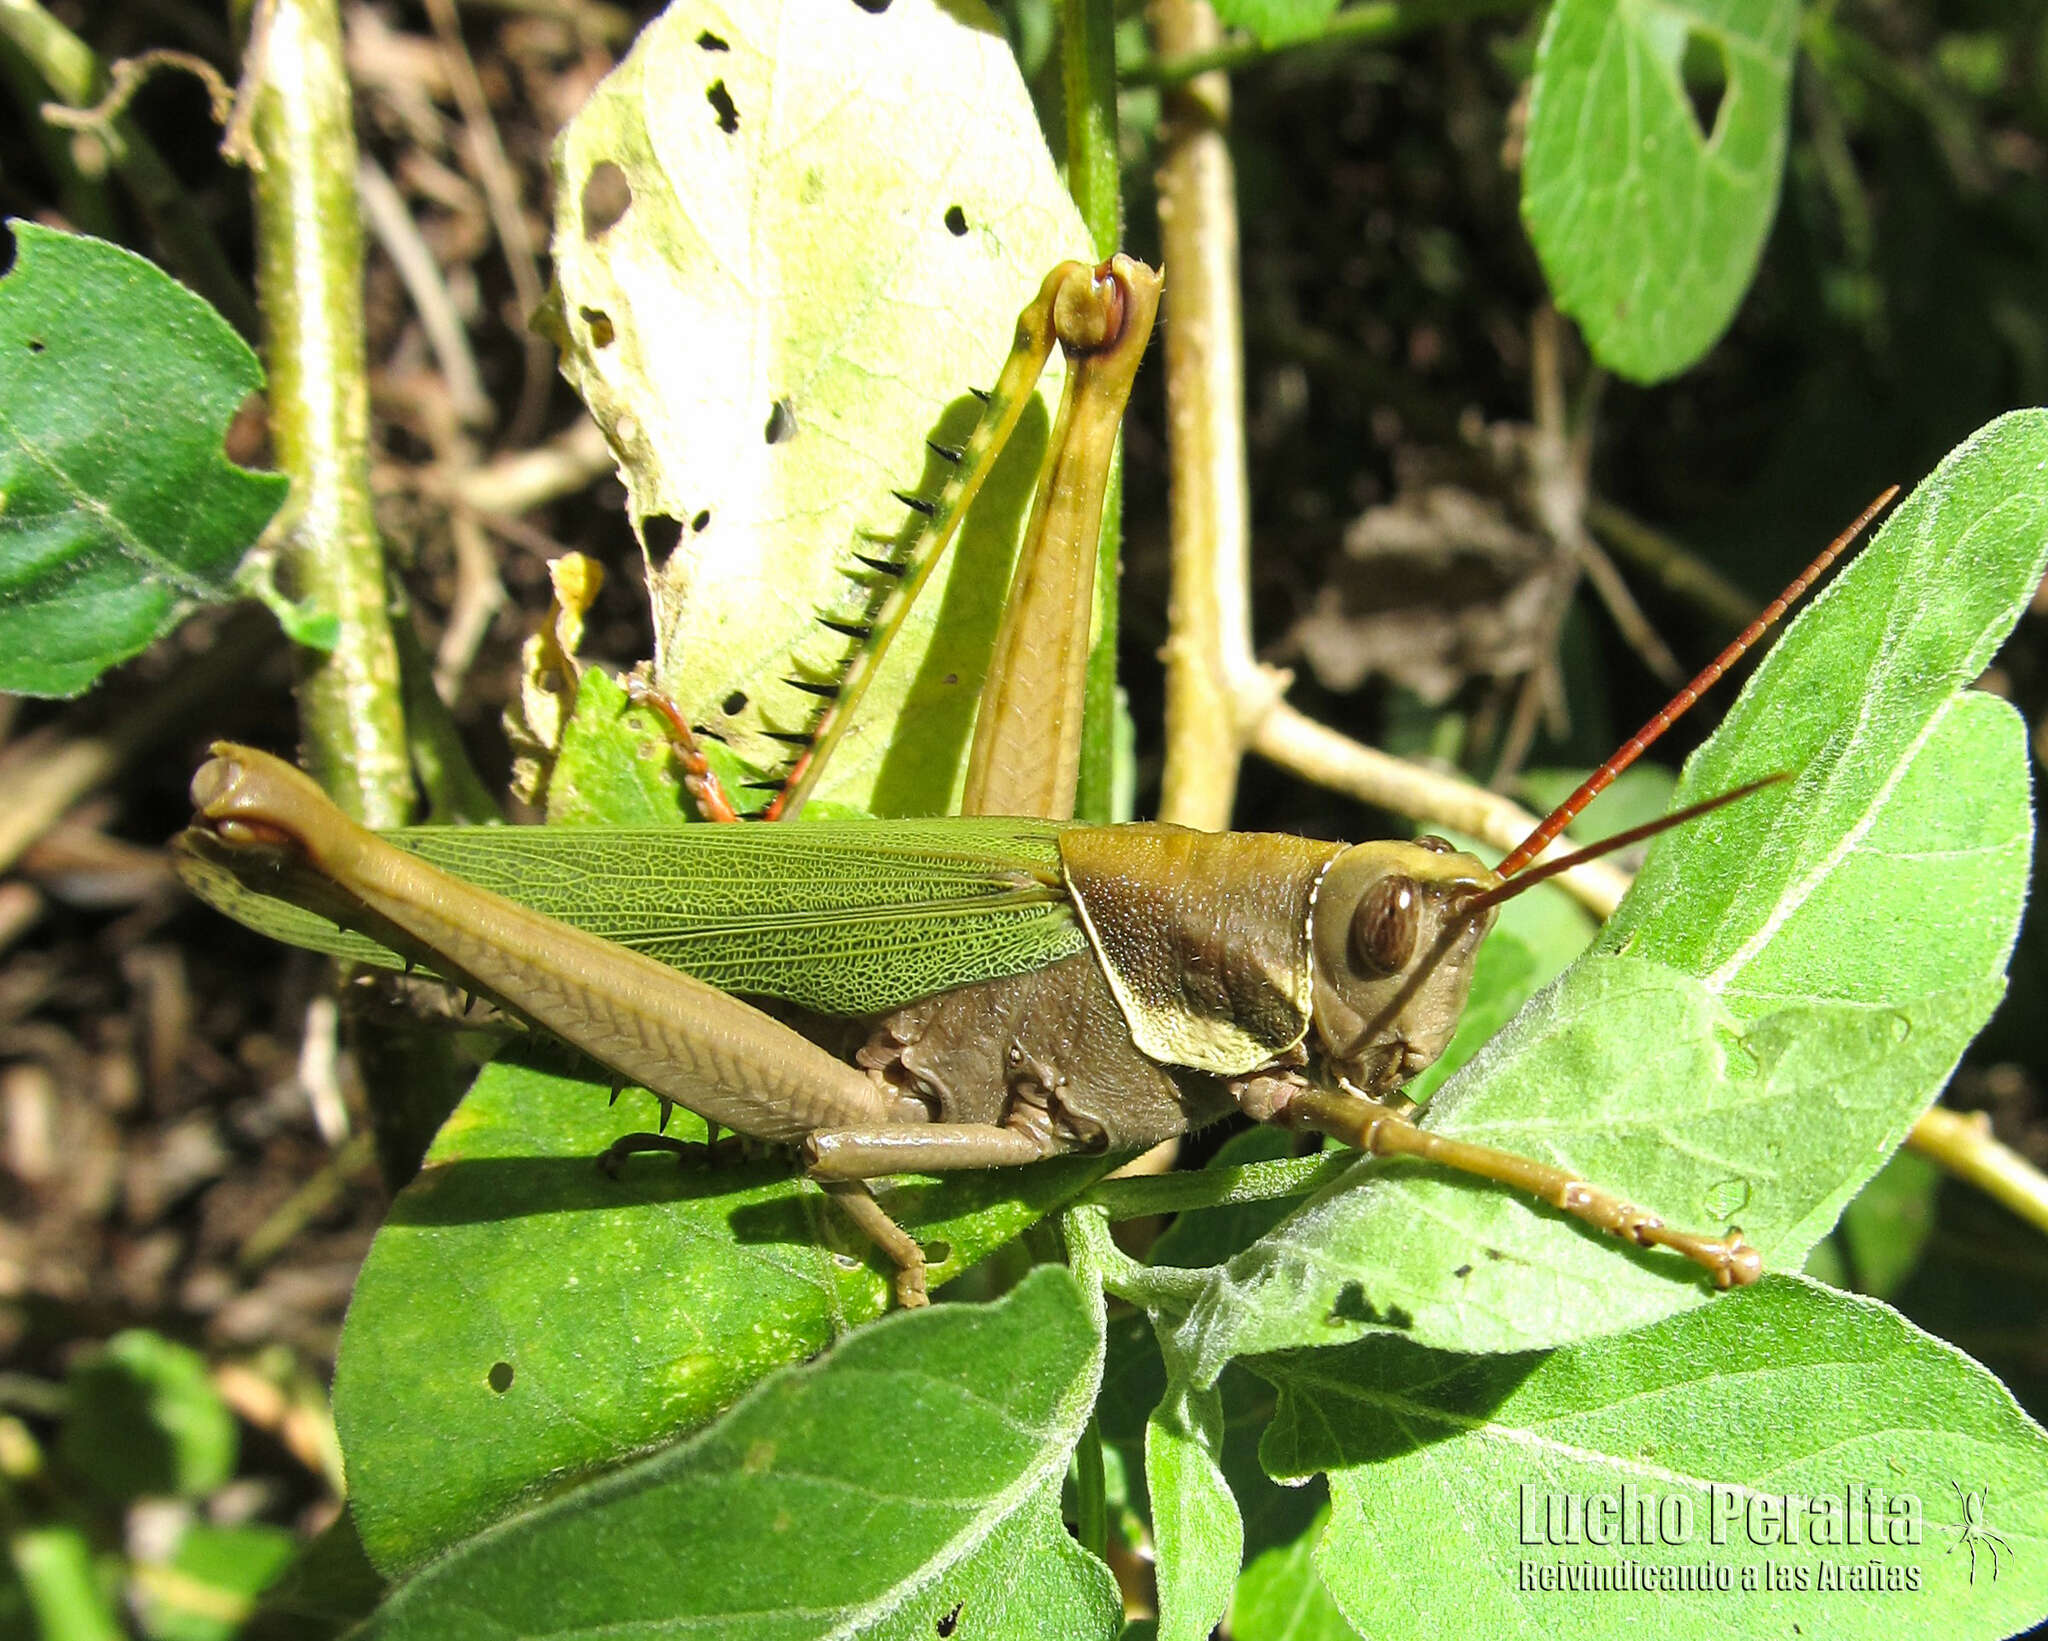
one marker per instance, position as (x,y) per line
(1209,610)
(1094,178)
(1091,1503)
(309,270)
(1374,23)
(1677,569)
(1088,69)
(1963,1145)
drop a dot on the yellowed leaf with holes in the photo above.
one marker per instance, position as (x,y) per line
(790,238)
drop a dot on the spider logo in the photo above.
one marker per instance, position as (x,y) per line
(1974,1531)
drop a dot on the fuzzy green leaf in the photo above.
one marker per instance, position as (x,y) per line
(1280,1595)
(1194,1515)
(907,1485)
(1445,1471)
(514,1281)
(1786,987)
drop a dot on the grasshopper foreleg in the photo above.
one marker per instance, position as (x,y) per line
(1380,1131)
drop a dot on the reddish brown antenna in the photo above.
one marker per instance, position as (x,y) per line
(1603,777)
(1621,840)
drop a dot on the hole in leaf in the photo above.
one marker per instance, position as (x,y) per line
(781,422)
(937,1253)
(600,323)
(874,8)
(734,704)
(661,533)
(500,1377)
(1704,68)
(606,197)
(247,441)
(702,521)
(37,345)
(711,42)
(722,105)
(949,1622)
(956,221)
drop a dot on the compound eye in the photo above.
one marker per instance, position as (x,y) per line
(1386,924)
(1434,844)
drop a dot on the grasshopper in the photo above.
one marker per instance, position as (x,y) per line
(1025,986)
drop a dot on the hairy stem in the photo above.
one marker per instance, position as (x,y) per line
(1209,664)
(309,269)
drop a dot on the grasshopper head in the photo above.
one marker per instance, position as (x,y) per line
(1394,938)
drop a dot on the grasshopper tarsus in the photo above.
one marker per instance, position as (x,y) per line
(901,1249)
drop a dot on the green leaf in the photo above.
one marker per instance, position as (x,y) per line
(1641,793)
(144,1419)
(1276,22)
(326,1590)
(790,238)
(1445,1471)
(1648,226)
(1886,1228)
(118,511)
(514,1281)
(1194,1514)
(907,1485)
(211,1582)
(1280,1595)
(1796,985)
(66,1595)
(1203,1236)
